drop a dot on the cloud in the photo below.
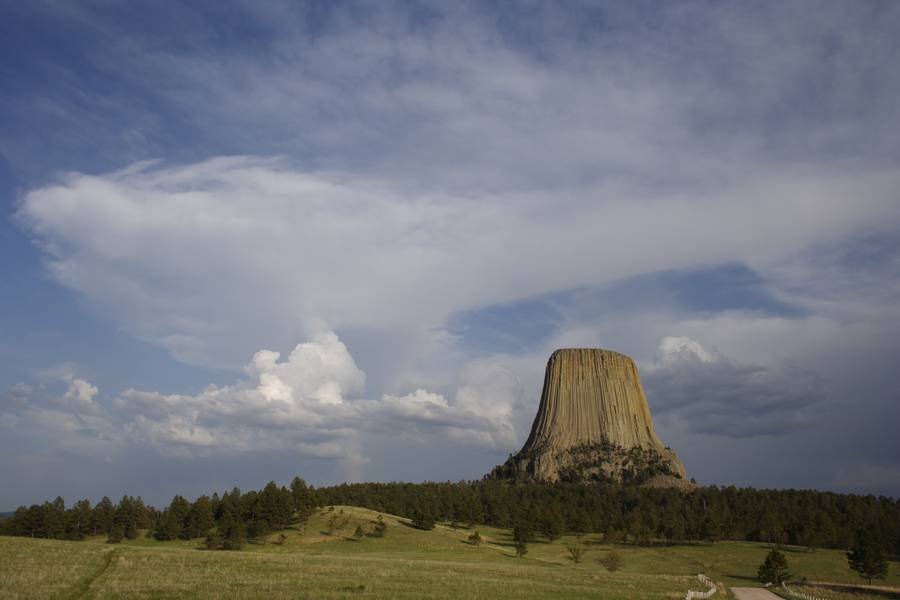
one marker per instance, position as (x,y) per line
(80,395)
(216,259)
(682,349)
(394,176)
(699,392)
(310,405)
(71,422)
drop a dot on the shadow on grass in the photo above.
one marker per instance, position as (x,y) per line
(743,578)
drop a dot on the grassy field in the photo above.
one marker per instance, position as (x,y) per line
(406,563)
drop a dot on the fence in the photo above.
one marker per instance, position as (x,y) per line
(708,593)
(796,594)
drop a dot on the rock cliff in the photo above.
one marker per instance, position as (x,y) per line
(593,424)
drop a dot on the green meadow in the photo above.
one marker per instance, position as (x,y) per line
(305,561)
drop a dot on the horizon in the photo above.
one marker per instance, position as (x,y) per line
(241,242)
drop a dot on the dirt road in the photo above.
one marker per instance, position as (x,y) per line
(753,594)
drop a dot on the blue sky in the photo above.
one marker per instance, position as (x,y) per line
(242,241)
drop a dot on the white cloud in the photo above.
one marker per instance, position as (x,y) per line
(216,259)
(675,348)
(697,392)
(80,395)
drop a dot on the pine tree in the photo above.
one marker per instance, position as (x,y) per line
(866,557)
(774,569)
(102,517)
(552,524)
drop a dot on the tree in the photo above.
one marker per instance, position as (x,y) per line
(523,531)
(866,557)
(359,533)
(475,539)
(214,540)
(423,520)
(380,527)
(200,518)
(116,533)
(612,561)
(575,553)
(552,523)
(774,569)
(521,548)
(233,534)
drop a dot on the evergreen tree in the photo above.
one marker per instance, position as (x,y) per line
(233,534)
(213,540)
(200,518)
(102,517)
(774,569)
(866,557)
(115,535)
(423,520)
(552,524)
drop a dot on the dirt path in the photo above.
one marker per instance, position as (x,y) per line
(754,594)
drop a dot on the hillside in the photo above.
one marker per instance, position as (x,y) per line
(405,563)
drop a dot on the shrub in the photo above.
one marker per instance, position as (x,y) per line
(612,561)
(575,553)
(380,527)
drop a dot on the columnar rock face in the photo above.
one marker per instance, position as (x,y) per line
(593,423)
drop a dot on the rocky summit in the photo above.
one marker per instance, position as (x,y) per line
(593,424)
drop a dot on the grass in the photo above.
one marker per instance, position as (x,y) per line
(406,563)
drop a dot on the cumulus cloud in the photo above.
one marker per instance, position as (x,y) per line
(482,411)
(697,391)
(80,395)
(72,422)
(310,404)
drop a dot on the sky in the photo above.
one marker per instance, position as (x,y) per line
(243,241)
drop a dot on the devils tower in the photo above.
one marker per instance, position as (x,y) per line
(593,424)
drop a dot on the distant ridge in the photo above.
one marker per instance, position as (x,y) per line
(593,424)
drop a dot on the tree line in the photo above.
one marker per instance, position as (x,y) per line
(226,521)
(626,514)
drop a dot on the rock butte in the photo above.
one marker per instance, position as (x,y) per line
(593,423)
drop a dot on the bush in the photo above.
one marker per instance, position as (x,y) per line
(475,539)
(575,553)
(612,561)
(380,527)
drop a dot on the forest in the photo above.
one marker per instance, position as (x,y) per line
(625,514)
